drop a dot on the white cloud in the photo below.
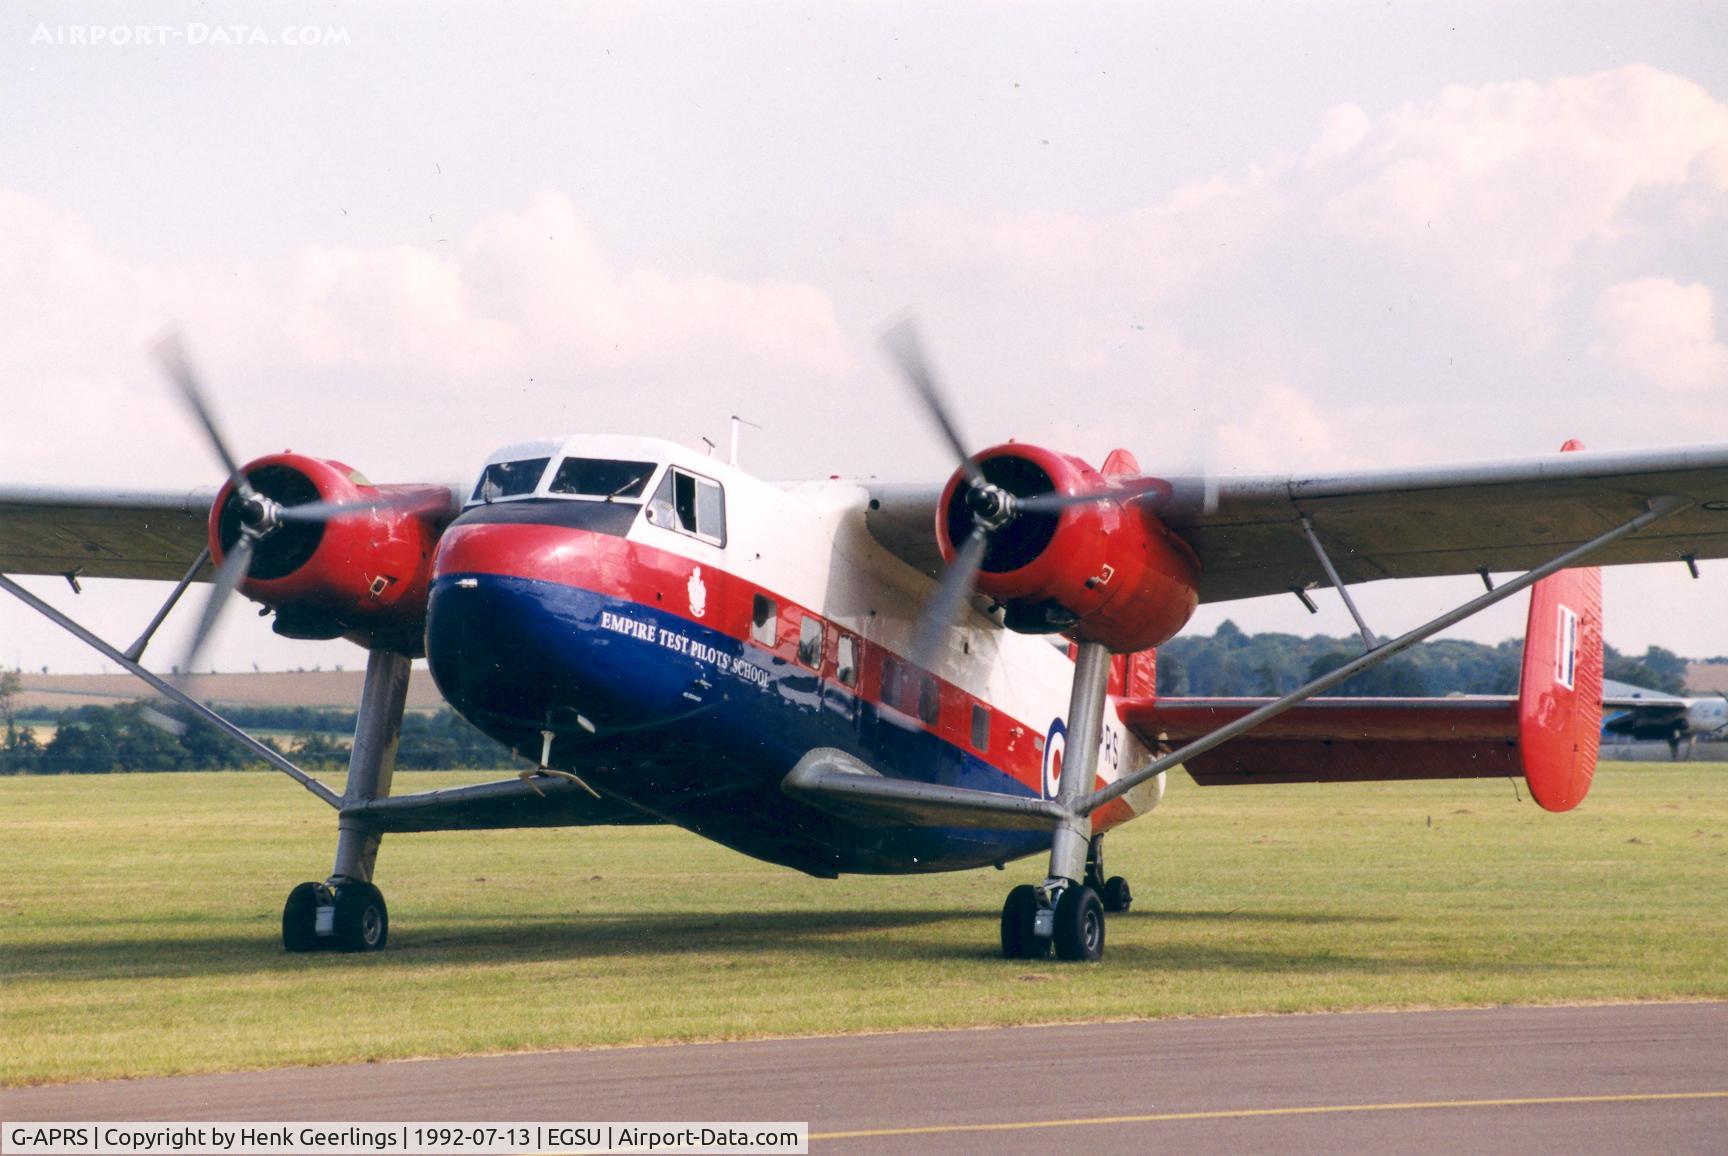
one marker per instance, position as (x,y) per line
(1279,429)
(1510,181)
(543,267)
(527,293)
(1427,261)
(1662,333)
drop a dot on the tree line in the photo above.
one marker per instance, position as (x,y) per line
(154,736)
(1230,663)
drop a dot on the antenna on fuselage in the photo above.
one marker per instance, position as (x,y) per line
(709,442)
(736,422)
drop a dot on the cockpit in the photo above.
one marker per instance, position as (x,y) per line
(683,502)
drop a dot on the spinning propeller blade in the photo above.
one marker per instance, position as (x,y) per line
(326,511)
(903,344)
(234,568)
(171,356)
(944,605)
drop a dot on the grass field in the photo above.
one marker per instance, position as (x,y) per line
(138,931)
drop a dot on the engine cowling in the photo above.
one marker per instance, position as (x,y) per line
(1097,571)
(362,575)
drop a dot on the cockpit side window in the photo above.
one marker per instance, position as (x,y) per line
(601,478)
(509,479)
(691,505)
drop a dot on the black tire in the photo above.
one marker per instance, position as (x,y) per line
(1079,925)
(362,921)
(1019,913)
(300,918)
(1118,897)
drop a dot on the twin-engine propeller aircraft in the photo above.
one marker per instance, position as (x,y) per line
(1633,713)
(841,676)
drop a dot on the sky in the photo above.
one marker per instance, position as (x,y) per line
(1251,238)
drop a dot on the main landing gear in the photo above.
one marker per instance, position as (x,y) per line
(344,917)
(1065,913)
(1066,919)
(347,912)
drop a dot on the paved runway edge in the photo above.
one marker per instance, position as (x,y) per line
(1659,1068)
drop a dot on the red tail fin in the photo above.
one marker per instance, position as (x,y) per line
(1560,689)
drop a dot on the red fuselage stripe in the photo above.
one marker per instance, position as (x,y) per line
(618,568)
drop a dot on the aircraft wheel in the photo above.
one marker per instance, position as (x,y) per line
(1019,914)
(300,918)
(362,922)
(1117,895)
(1079,924)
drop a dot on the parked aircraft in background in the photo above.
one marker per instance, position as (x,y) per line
(844,676)
(1638,713)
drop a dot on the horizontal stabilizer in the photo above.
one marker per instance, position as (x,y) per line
(842,785)
(1548,734)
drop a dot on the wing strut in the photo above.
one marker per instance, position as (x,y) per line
(136,650)
(1065,912)
(169,690)
(1659,508)
(1368,642)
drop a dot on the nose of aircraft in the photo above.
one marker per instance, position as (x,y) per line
(519,655)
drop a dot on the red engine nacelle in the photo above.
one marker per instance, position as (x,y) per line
(1097,572)
(362,575)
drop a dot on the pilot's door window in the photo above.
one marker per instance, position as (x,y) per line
(691,505)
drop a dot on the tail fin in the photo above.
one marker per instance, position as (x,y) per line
(1560,688)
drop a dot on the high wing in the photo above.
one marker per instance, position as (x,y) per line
(98,533)
(1411,523)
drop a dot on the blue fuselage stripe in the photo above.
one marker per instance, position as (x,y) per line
(692,724)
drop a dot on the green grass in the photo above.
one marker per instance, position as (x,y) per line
(138,931)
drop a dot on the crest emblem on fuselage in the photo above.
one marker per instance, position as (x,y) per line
(698,593)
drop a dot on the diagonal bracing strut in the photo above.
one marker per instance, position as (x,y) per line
(1658,508)
(169,690)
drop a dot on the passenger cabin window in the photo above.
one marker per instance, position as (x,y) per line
(929,699)
(602,478)
(690,505)
(910,691)
(846,660)
(764,621)
(890,681)
(509,479)
(810,642)
(980,727)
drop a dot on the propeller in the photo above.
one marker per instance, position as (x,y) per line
(992,507)
(904,345)
(260,516)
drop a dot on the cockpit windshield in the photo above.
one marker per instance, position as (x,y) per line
(602,477)
(509,479)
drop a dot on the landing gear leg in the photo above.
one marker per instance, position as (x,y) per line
(347,912)
(1065,912)
(1114,891)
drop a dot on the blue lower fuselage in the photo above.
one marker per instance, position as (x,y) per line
(691,724)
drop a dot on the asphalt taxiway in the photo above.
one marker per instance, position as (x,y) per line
(1640,1077)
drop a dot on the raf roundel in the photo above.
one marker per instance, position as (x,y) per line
(1055,743)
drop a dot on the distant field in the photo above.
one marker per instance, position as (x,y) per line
(335,689)
(138,932)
